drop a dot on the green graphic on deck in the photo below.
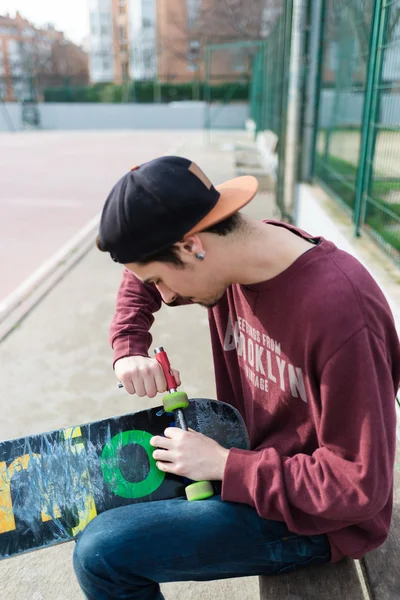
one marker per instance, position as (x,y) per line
(112,472)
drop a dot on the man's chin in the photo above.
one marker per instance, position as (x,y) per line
(208,304)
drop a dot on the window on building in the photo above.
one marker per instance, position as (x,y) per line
(193,8)
(123,47)
(16,69)
(9,31)
(12,47)
(147,59)
(125,71)
(122,7)
(121,33)
(104,30)
(148,16)
(93,23)
(239,60)
(193,51)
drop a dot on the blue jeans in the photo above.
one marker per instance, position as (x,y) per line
(128,551)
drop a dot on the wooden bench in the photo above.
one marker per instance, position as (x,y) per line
(375,577)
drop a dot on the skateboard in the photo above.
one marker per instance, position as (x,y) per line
(53,484)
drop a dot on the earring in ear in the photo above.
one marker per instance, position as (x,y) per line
(199,256)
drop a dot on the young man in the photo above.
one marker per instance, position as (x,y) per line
(304,345)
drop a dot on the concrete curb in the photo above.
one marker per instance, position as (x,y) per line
(15,307)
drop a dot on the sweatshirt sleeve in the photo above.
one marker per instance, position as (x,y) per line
(136,303)
(133,318)
(349,478)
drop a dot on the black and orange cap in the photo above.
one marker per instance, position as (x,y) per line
(160,202)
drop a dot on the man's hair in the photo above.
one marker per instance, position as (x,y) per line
(171,254)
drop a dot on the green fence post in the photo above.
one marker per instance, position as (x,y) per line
(365,152)
(207,89)
(376,104)
(270,84)
(265,84)
(258,91)
(283,108)
(252,88)
(317,34)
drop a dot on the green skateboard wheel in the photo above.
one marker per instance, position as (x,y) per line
(174,401)
(199,490)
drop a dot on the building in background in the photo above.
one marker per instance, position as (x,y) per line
(186,27)
(143,52)
(179,40)
(101,53)
(33,58)
(122,40)
(165,39)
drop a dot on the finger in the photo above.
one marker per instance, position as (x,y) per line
(150,387)
(128,385)
(167,467)
(163,455)
(177,376)
(139,387)
(161,442)
(159,379)
(173,433)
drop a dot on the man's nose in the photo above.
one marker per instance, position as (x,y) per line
(167,294)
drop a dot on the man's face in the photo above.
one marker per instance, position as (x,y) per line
(195,281)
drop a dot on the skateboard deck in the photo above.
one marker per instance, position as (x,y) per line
(53,484)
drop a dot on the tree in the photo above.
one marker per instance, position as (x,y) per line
(355,18)
(190,25)
(69,62)
(233,20)
(47,59)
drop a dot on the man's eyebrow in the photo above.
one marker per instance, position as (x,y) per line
(147,281)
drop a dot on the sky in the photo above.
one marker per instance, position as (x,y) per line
(69,16)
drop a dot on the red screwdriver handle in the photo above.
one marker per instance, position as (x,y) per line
(162,359)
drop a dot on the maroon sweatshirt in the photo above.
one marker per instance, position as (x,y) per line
(311,359)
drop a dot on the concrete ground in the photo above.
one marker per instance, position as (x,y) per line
(53,182)
(55,371)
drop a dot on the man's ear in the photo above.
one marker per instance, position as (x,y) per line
(191,245)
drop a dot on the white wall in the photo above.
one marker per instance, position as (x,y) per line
(185,115)
(350,108)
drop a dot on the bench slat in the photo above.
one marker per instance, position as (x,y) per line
(382,565)
(325,582)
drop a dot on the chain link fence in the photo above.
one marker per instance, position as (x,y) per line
(350,77)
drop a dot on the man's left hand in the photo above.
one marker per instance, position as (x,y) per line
(189,454)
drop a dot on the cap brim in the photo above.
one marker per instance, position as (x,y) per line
(235,194)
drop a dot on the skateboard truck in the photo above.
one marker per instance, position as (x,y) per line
(176,402)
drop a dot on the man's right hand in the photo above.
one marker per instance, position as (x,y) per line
(142,375)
